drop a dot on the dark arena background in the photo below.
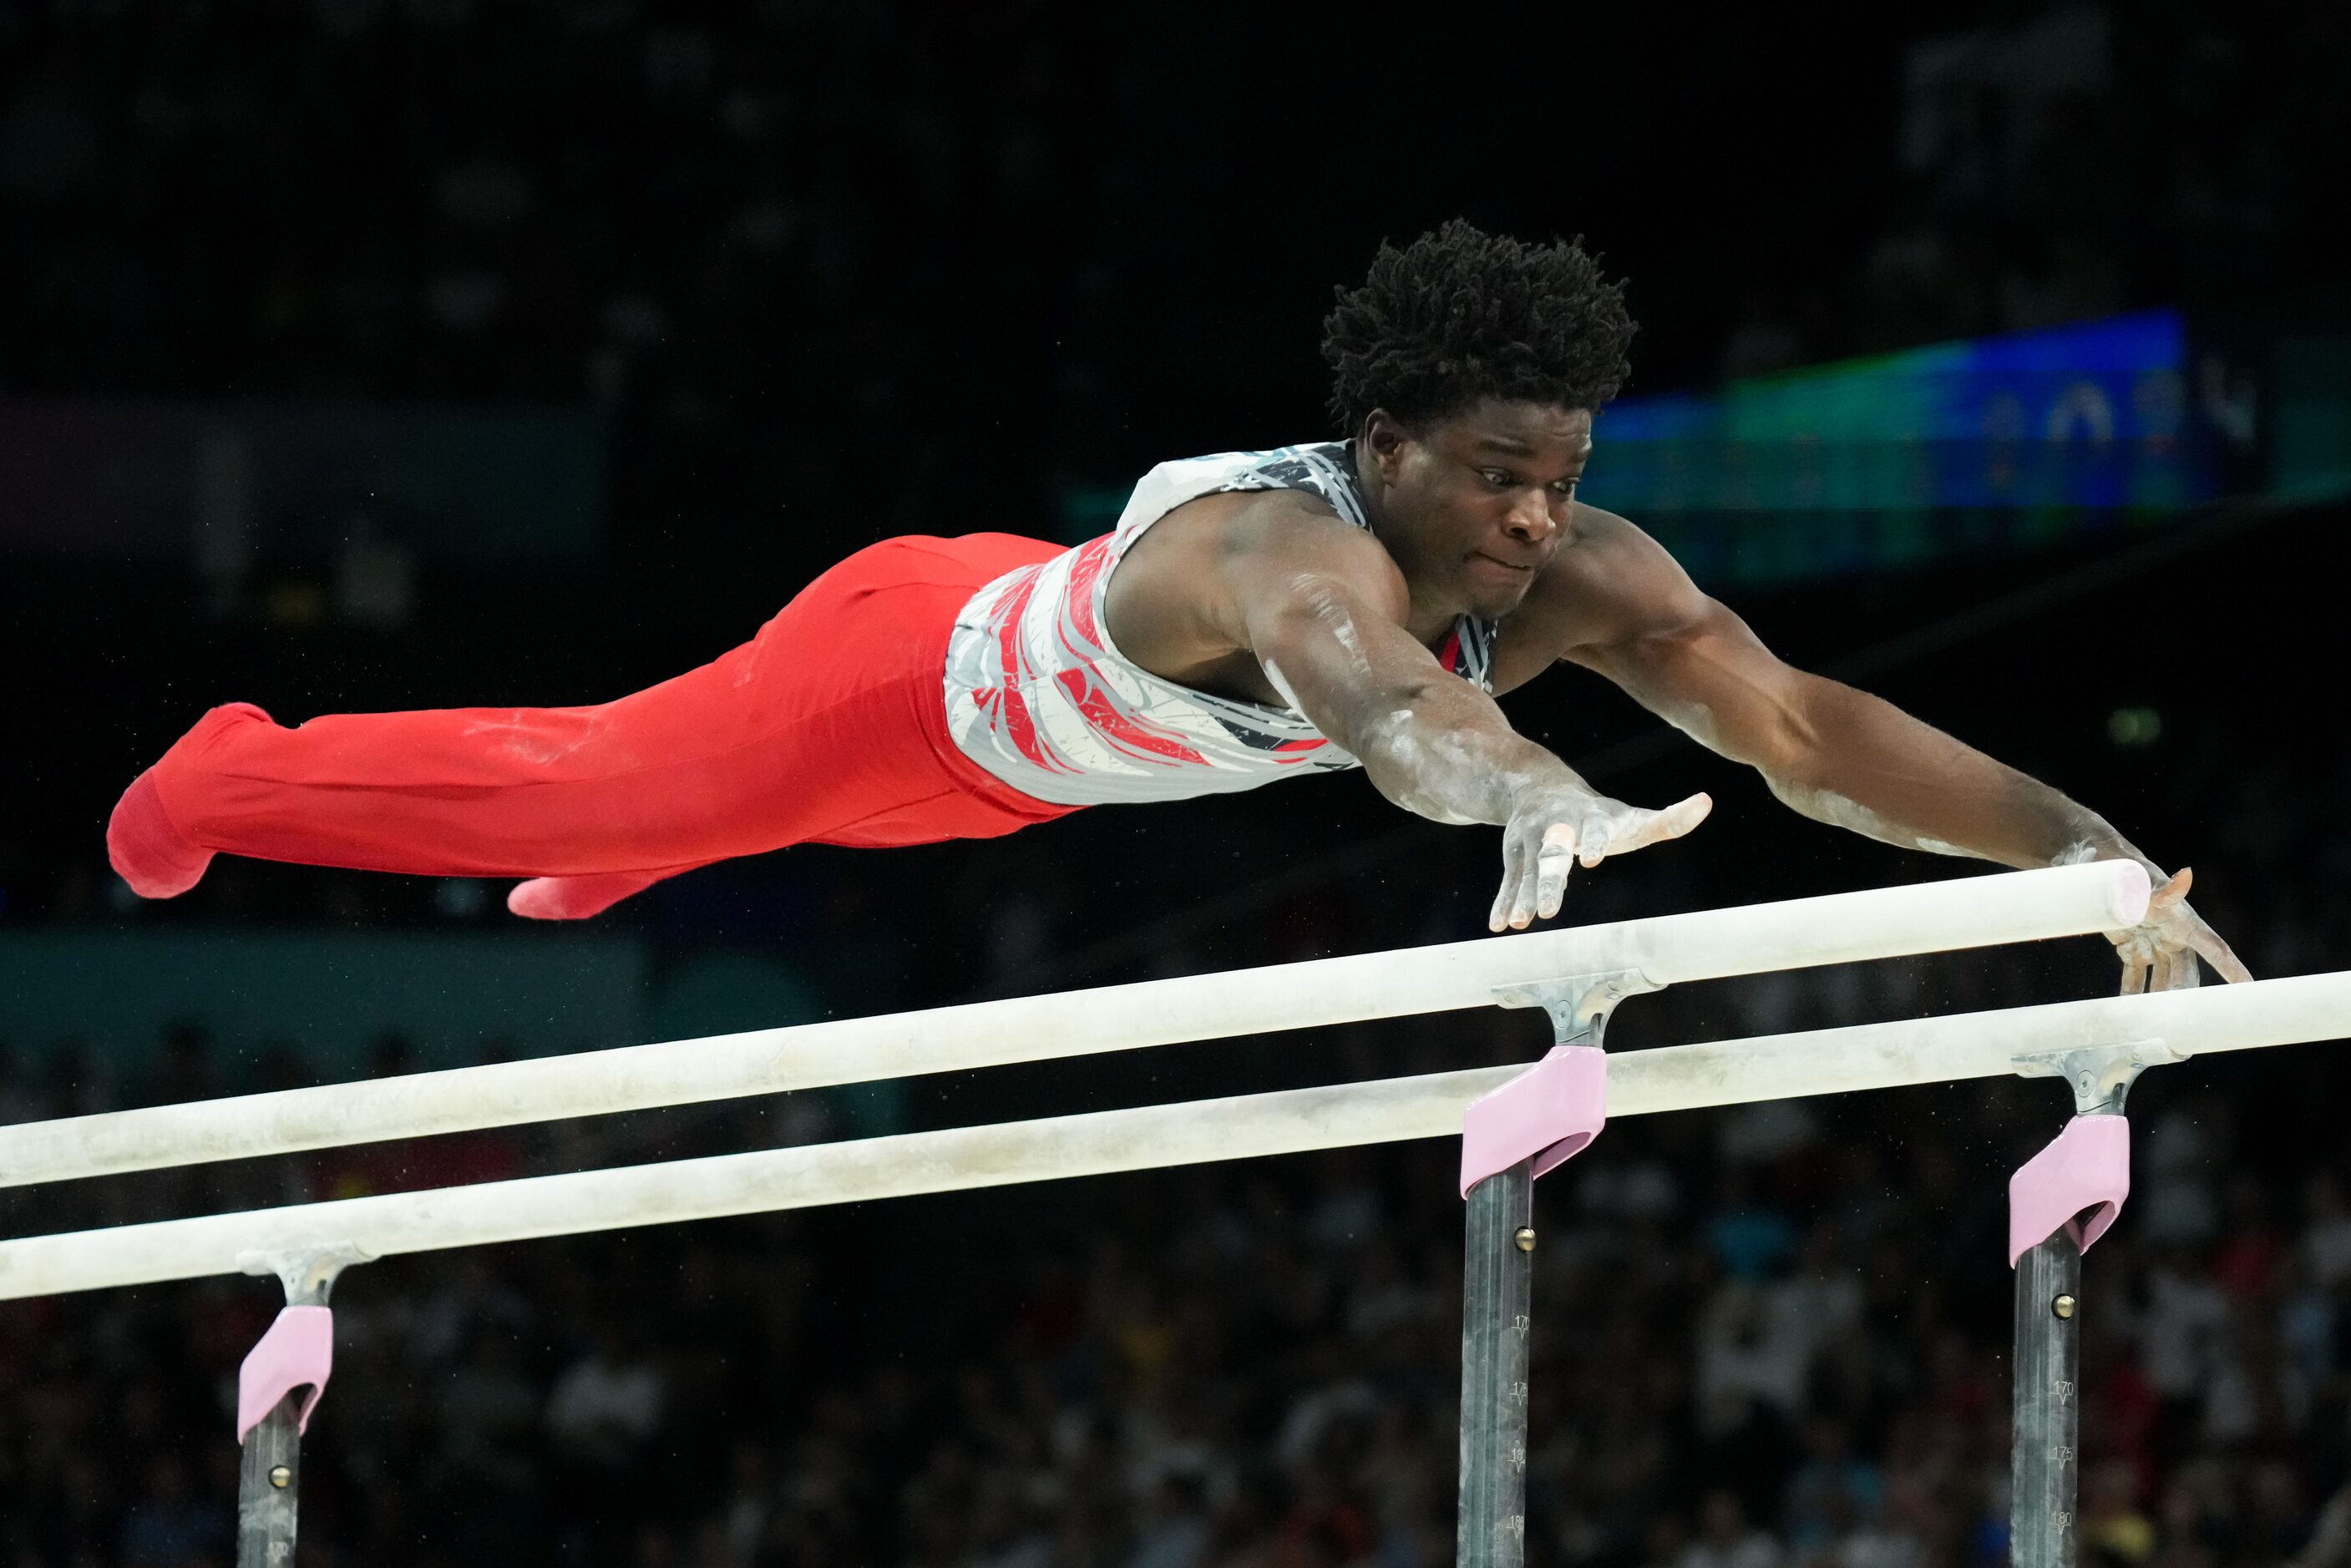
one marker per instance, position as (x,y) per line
(371,354)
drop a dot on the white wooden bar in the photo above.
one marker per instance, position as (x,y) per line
(1890,922)
(1869,1056)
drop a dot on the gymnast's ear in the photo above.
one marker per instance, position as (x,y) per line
(1385,436)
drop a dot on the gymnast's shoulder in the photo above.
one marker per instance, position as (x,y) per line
(1609,582)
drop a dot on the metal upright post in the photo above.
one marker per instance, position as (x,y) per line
(280,1384)
(2047,1438)
(1535,1122)
(1497,1281)
(268,1487)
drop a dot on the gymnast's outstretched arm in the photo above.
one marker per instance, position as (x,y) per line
(1842,756)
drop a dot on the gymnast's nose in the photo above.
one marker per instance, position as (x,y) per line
(1529,518)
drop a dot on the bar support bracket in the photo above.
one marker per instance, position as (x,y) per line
(282,1380)
(1532,1124)
(2060,1202)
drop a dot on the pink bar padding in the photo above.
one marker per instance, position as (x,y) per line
(298,1351)
(1547,1114)
(2078,1185)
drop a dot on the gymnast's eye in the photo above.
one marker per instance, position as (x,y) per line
(1498,478)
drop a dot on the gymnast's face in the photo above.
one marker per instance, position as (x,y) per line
(1473,505)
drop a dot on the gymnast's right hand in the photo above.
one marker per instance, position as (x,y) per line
(1555,825)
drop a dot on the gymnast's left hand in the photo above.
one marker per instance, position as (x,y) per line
(2160,953)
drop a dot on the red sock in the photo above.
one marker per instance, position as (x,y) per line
(578,897)
(144,848)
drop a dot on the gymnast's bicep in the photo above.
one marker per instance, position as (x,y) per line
(1321,606)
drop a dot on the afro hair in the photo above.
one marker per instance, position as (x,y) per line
(1461,315)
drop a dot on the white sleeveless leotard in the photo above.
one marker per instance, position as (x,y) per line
(1038,694)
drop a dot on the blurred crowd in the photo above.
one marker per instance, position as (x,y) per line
(2067,161)
(822,222)
(1772,1337)
(771,217)
(1769,1337)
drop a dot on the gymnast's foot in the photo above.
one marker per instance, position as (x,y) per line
(144,844)
(146,850)
(574,898)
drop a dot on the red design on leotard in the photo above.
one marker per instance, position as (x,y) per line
(1018,724)
(1134,732)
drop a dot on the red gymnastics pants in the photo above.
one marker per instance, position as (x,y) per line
(828,727)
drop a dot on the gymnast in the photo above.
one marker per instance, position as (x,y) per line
(1253,617)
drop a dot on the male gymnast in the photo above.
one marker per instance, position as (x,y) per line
(1254,616)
